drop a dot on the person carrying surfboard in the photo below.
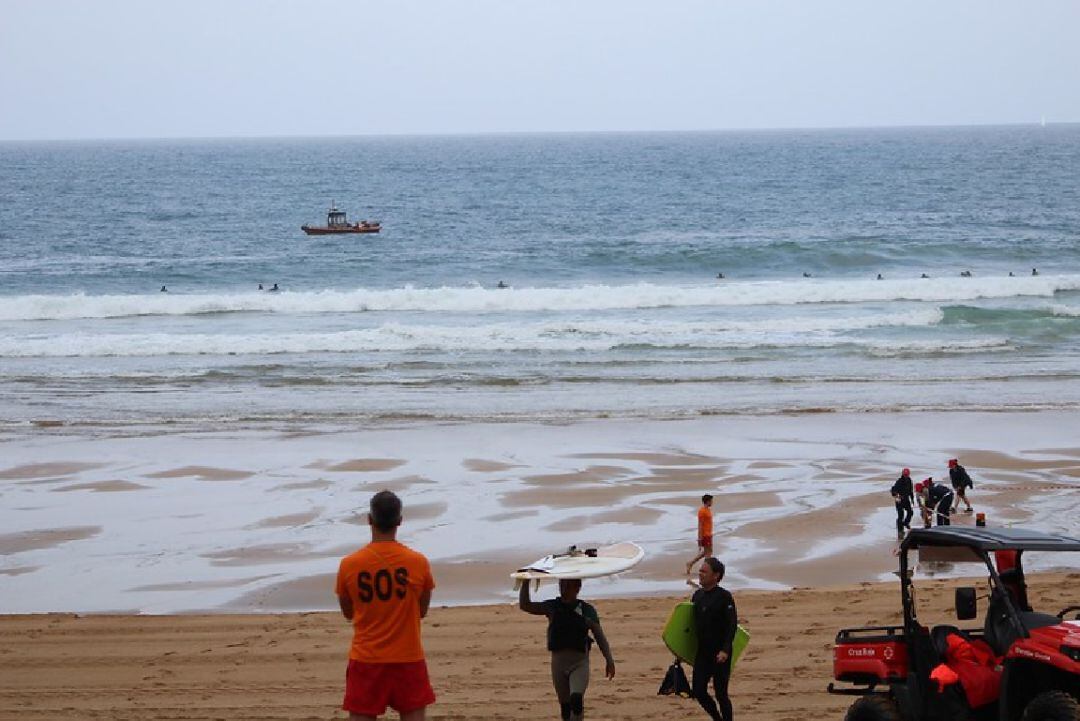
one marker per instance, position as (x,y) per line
(704,532)
(570,621)
(384,589)
(715,623)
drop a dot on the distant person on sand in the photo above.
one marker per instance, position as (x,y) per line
(903,495)
(570,621)
(960,481)
(939,499)
(704,532)
(385,589)
(715,620)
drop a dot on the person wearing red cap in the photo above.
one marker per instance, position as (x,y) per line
(961,481)
(939,499)
(921,490)
(903,495)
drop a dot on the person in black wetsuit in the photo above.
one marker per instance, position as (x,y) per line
(960,481)
(570,622)
(939,499)
(903,496)
(715,621)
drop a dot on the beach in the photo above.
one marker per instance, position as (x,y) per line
(532,357)
(256,519)
(486,662)
(235,538)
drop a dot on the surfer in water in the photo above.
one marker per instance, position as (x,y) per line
(715,622)
(570,621)
(384,590)
(704,532)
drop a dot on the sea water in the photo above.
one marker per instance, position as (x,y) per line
(610,244)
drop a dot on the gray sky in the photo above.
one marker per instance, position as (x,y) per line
(191,68)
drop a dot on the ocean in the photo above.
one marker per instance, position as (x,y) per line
(610,244)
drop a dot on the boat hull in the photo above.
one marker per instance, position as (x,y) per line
(324,230)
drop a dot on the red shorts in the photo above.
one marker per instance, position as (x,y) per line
(705,543)
(371,687)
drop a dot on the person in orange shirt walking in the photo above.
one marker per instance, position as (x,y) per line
(704,532)
(385,589)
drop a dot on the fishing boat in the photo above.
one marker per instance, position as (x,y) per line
(337,222)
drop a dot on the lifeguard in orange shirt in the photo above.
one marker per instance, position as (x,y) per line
(385,589)
(704,532)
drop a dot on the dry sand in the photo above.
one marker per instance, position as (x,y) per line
(486,662)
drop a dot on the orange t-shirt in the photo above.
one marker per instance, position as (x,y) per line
(385,580)
(704,522)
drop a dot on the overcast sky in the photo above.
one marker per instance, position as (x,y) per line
(194,68)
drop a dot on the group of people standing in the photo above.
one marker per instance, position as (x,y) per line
(936,501)
(384,590)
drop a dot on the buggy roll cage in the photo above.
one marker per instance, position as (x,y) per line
(976,544)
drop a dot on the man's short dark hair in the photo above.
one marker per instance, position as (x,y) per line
(716,565)
(385,511)
(706,498)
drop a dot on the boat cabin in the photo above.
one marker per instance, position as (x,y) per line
(336,218)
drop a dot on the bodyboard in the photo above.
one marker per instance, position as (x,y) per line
(680,636)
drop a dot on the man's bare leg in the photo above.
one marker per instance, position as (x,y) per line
(701,554)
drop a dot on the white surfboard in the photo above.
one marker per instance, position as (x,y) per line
(582,563)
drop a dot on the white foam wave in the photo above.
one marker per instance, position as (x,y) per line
(1065,311)
(601,335)
(588,297)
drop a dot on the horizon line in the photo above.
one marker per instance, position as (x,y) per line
(484,133)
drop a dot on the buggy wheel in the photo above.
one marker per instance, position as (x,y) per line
(1052,706)
(873,708)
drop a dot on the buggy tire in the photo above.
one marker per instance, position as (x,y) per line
(1052,706)
(873,708)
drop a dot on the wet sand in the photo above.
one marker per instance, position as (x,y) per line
(486,662)
(256,521)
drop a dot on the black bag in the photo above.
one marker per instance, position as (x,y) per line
(675,683)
